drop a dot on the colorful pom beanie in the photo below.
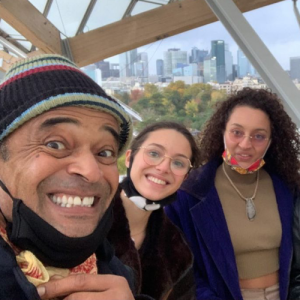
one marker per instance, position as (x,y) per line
(38,84)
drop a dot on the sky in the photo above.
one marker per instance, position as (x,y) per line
(276,25)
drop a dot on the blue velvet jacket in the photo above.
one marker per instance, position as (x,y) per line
(198,212)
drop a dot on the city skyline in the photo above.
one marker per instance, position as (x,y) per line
(275,24)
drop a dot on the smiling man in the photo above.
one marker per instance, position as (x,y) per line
(60,137)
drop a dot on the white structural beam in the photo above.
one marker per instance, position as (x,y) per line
(259,55)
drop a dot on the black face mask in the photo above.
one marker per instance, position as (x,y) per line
(139,200)
(30,232)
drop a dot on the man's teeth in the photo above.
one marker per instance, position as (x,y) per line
(156,180)
(70,201)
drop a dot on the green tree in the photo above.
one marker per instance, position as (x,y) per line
(191,108)
(150,89)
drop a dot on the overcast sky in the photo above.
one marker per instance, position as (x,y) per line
(275,24)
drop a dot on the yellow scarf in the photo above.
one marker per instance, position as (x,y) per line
(37,273)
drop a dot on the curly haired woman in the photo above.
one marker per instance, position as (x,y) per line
(236,210)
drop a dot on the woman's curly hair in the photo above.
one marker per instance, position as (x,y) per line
(282,157)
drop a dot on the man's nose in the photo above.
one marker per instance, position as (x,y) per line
(86,165)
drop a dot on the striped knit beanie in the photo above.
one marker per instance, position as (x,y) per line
(38,84)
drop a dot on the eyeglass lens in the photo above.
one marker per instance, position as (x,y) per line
(238,136)
(154,156)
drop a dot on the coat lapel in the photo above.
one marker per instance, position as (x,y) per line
(210,222)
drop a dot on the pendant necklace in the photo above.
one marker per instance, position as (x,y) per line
(250,207)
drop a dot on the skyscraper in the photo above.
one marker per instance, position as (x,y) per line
(210,69)
(104,67)
(127,60)
(218,51)
(172,57)
(295,67)
(228,63)
(197,55)
(159,67)
(244,66)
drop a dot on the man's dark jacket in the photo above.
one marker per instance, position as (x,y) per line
(15,286)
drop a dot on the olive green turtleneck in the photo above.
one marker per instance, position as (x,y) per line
(256,243)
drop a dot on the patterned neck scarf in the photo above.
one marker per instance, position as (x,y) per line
(231,161)
(37,273)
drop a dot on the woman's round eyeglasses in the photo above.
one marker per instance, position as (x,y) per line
(237,136)
(154,156)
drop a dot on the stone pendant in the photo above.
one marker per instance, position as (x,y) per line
(250,209)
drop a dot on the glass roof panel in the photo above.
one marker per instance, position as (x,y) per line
(14,34)
(141,7)
(66,15)
(106,12)
(157,1)
(39,4)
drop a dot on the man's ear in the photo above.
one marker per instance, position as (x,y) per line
(127,158)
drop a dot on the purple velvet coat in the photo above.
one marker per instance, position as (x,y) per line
(198,212)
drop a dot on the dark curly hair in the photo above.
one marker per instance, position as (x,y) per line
(282,157)
(143,135)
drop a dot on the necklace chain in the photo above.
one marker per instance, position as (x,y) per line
(236,189)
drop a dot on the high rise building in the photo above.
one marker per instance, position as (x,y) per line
(104,67)
(295,67)
(114,70)
(210,69)
(172,58)
(218,51)
(159,67)
(244,66)
(197,55)
(143,60)
(228,63)
(127,60)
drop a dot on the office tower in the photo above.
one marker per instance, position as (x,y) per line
(244,66)
(197,55)
(172,57)
(234,71)
(114,70)
(218,51)
(143,60)
(295,67)
(104,67)
(210,69)
(159,67)
(127,60)
(228,63)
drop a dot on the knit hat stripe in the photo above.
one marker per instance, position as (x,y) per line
(32,71)
(36,62)
(76,99)
(36,85)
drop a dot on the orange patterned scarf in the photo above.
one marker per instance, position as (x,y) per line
(37,273)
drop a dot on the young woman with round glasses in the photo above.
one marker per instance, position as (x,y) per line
(158,161)
(236,209)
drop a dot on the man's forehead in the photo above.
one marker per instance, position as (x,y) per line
(75,115)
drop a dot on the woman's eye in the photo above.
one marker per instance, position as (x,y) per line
(154,154)
(260,137)
(56,145)
(237,133)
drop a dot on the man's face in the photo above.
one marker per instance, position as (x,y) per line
(56,165)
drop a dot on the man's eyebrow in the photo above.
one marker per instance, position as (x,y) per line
(114,133)
(58,120)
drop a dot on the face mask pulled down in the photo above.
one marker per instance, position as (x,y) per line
(29,231)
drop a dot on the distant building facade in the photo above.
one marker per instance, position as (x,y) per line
(295,67)
(127,60)
(218,51)
(244,66)
(172,58)
(159,67)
